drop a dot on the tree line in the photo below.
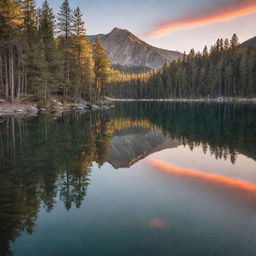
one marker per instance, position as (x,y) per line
(42,55)
(227,70)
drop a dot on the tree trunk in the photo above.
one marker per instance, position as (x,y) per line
(1,72)
(19,77)
(6,79)
(26,82)
(19,86)
(90,92)
(22,82)
(45,92)
(11,74)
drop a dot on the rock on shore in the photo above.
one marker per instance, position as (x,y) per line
(7,108)
(55,106)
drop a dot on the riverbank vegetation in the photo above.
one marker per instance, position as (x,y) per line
(43,55)
(227,70)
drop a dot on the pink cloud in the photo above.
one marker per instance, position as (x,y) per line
(218,13)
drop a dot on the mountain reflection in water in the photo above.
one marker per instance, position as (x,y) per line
(48,158)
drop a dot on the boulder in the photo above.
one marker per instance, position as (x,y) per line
(43,110)
(88,106)
(57,102)
(21,110)
(80,108)
(33,109)
(95,107)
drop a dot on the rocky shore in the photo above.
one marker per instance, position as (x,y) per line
(55,106)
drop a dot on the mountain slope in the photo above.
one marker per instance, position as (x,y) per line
(250,42)
(124,48)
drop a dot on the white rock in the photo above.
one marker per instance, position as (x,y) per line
(56,102)
(20,110)
(34,109)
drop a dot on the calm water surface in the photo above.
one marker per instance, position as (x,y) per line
(143,179)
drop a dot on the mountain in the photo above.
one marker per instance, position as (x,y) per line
(126,49)
(250,42)
(133,144)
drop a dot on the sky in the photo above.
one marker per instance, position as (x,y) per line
(170,24)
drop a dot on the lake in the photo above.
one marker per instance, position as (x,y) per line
(142,179)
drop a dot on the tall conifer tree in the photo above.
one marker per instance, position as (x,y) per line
(64,25)
(101,68)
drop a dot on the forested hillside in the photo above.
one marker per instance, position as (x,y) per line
(42,55)
(228,70)
(249,43)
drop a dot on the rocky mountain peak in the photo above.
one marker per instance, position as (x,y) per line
(126,49)
(124,33)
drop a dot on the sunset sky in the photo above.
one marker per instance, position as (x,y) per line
(171,24)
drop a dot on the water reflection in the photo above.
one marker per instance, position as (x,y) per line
(215,178)
(46,157)
(42,158)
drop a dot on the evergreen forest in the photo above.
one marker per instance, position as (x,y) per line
(228,69)
(42,54)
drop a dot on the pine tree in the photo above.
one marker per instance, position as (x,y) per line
(101,68)
(46,34)
(166,78)
(46,30)
(234,42)
(64,24)
(78,23)
(32,64)
(88,72)
(10,21)
(79,33)
(226,44)
(83,64)
(29,16)
(243,70)
(205,52)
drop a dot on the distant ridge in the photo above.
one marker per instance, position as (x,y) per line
(250,42)
(126,49)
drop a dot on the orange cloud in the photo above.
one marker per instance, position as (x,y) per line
(224,12)
(231,182)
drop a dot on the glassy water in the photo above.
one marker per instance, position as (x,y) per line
(142,179)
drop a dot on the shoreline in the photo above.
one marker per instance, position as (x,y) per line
(21,109)
(31,109)
(203,100)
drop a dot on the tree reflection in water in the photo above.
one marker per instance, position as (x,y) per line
(47,157)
